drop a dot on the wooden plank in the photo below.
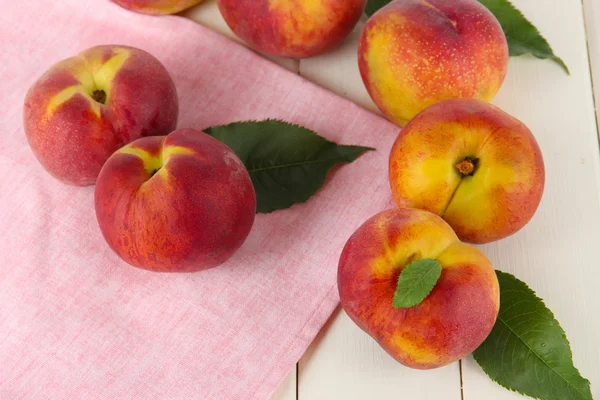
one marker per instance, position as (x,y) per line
(287,389)
(207,14)
(592,18)
(346,363)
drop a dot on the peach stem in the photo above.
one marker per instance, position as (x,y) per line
(467,166)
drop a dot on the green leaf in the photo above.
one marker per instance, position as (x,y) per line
(416,281)
(287,163)
(374,5)
(528,351)
(521,35)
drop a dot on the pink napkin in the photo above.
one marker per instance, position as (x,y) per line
(78,323)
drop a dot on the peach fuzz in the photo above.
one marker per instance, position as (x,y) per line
(157,7)
(451,322)
(415,53)
(180,203)
(471,163)
(86,107)
(292,28)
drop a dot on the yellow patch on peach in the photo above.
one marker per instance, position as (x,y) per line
(151,162)
(92,74)
(427,240)
(428,174)
(104,73)
(300,18)
(155,163)
(416,348)
(67,94)
(469,193)
(388,78)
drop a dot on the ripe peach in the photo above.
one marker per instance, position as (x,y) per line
(157,7)
(179,203)
(292,28)
(415,53)
(451,322)
(86,107)
(471,163)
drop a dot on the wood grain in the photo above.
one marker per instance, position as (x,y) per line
(346,363)
(592,18)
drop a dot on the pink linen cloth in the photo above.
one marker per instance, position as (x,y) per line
(78,323)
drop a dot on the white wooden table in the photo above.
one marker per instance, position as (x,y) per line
(557,254)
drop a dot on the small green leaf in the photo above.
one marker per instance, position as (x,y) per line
(287,163)
(416,281)
(528,351)
(521,35)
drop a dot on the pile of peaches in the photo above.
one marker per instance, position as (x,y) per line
(166,199)
(461,170)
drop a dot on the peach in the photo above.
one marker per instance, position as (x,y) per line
(180,203)
(292,28)
(86,107)
(472,164)
(415,53)
(451,322)
(157,7)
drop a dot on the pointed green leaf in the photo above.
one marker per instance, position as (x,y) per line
(287,163)
(416,281)
(528,351)
(521,35)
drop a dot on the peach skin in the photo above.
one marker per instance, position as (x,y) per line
(451,322)
(472,164)
(157,7)
(415,53)
(86,107)
(180,203)
(292,28)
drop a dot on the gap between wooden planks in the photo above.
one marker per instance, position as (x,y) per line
(591,10)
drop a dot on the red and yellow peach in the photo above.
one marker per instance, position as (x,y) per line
(180,203)
(415,53)
(86,107)
(292,28)
(472,164)
(157,7)
(451,322)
